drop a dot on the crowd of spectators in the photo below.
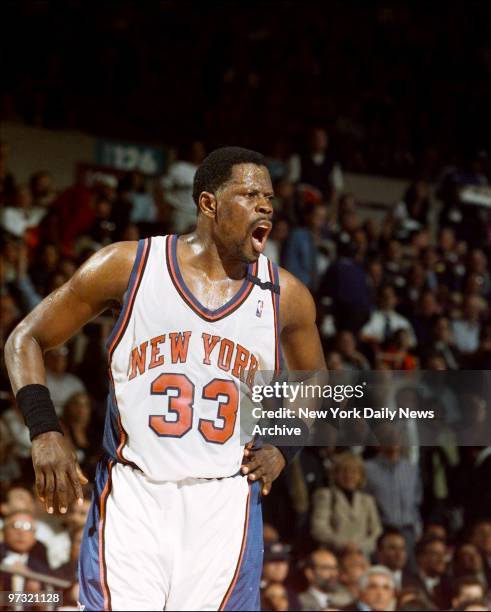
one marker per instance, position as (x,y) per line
(347,526)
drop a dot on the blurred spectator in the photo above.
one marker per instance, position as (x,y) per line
(143,208)
(467,588)
(322,574)
(443,342)
(76,210)
(466,330)
(377,590)
(397,355)
(76,423)
(385,320)
(178,187)
(275,598)
(396,486)
(392,553)
(430,576)
(468,563)
(345,345)
(346,284)
(42,189)
(273,249)
(20,548)
(352,565)
(301,252)
(276,563)
(342,515)
(21,214)
(412,212)
(61,384)
(318,165)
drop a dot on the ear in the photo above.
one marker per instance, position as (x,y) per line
(208,204)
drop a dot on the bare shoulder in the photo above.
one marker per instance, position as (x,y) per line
(297,305)
(110,268)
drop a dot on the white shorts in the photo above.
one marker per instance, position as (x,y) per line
(195,544)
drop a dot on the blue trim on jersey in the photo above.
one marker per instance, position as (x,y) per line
(89,575)
(190,295)
(122,314)
(276,297)
(111,437)
(245,595)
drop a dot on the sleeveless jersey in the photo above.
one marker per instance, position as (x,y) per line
(176,368)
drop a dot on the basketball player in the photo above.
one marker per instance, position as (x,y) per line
(174,524)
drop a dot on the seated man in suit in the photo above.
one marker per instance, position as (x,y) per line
(20,549)
(392,552)
(431,575)
(377,591)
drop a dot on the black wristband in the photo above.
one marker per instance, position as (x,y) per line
(37,409)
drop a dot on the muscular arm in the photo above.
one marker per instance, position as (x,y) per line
(299,334)
(303,351)
(99,283)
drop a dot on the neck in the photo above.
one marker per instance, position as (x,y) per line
(210,258)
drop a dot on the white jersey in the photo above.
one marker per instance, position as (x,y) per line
(176,367)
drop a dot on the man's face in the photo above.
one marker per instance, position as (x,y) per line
(323,572)
(378,593)
(469,558)
(275,571)
(353,566)
(433,560)
(392,552)
(388,300)
(243,213)
(19,532)
(18,498)
(277,595)
(481,537)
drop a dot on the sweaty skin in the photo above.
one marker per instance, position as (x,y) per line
(214,262)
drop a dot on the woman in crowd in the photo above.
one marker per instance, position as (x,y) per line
(343,516)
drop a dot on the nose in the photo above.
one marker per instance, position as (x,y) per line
(264,206)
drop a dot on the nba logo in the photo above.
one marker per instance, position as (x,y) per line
(259,309)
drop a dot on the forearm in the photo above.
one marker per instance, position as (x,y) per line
(24,359)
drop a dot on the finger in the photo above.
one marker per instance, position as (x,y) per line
(75,474)
(266,487)
(247,452)
(50,491)
(40,484)
(256,475)
(61,491)
(251,465)
(81,476)
(249,445)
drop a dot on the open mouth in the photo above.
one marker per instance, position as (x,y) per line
(259,236)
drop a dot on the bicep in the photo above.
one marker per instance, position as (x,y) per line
(299,335)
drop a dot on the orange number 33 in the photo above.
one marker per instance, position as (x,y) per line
(181,404)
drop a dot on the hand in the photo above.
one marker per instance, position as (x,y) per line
(264,464)
(59,478)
